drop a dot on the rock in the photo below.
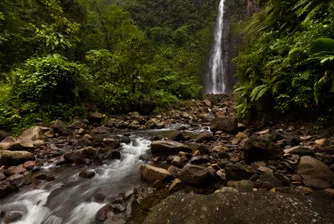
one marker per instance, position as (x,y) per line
(77,125)
(84,141)
(235,141)
(263,132)
(2,176)
(89,137)
(6,188)
(50,134)
(168,147)
(96,117)
(205,137)
(134,125)
(3,135)
(102,214)
(177,136)
(59,127)
(80,155)
(128,194)
(158,185)
(115,219)
(241,186)
(329,192)
(296,178)
(311,168)
(300,150)
(157,123)
(241,127)
(118,208)
(12,158)
(176,185)
(111,143)
(329,149)
(316,184)
(101,130)
(227,206)
(267,181)
(193,174)
(203,149)
(256,165)
(29,165)
(152,173)
(178,161)
(26,141)
(115,155)
(19,180)
(304,190)
(199,160)
(265,170)
(241,136)
(320,141)
(15,170)
(260,149)
(331,167)
(44,176)
(173,170)
(87,174)
(12,216)
(157,138)
(221,174)
(283,179)
(225,124)
(207,103)
(238,172)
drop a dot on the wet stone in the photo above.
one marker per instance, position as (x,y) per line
(87,174)
(44,176)
(102,214)
(11,217)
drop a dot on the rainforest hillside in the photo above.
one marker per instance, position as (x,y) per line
(59,58)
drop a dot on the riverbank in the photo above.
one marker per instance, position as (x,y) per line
(118,168)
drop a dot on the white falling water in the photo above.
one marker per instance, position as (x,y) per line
(216,82)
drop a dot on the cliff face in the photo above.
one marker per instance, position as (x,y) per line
(236,11)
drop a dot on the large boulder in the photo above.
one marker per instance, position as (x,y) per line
(13,158)
(152,173)
(312,169)
(226,124)
(28,140)
(193,174)
(261,149)
(168,147)
(230,206)
(81,155)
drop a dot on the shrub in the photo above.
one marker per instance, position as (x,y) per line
(49,80)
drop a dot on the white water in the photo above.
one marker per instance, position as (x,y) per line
(71,199)
(216,80)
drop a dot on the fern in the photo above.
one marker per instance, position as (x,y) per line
(259,92)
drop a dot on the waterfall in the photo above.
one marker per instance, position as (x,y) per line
(216,81)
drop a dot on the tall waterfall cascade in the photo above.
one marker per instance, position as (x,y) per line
(216,80)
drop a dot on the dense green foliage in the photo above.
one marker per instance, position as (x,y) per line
(287,63)
(58,55)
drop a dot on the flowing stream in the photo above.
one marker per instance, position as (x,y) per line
(216,77)
(72,200)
